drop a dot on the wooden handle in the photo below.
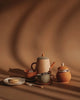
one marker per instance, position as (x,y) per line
(32,66)
(30,84)
(40,86)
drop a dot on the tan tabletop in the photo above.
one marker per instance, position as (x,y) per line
(56,91)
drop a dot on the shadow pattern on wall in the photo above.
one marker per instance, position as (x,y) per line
(60,34)
(16,33)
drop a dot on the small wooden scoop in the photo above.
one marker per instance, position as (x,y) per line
(31,84)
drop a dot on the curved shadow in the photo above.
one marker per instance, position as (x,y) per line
(59,32)
(45,22)
(75,80)
(62,92)
(78,76)
(67,87)
(22,20)
(33,92)
(62,86)
(8,4)
(16,33)
(46,89)
(47,96)
(2,98)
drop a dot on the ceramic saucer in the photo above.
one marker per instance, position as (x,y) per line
(19,82)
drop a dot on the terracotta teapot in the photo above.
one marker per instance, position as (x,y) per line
(42,65)
(29,73)
(63,74)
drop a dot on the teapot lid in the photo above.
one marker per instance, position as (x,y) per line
(63,67)
(43,57)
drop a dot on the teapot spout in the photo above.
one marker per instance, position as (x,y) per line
(52,65)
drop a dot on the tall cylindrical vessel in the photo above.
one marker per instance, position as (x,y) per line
(43,64)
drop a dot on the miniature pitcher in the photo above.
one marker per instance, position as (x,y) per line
(42,65)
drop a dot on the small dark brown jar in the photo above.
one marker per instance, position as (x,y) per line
(63,74)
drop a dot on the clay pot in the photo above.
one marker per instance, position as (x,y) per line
(42,65)
(63,74)
(30,73)
(43,77)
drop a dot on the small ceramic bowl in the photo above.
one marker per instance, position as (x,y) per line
(30,73)
(14,81)
(44,77)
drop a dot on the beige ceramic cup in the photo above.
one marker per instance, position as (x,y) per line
(42,65)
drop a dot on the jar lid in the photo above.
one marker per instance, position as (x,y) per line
(42,57)
(62,67)
(45,73)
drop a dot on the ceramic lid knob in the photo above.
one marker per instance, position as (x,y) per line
(62,64)
(63,67)
(43,55)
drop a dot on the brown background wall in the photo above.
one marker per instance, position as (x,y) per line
(30,27)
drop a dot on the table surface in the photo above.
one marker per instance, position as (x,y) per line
(56,91)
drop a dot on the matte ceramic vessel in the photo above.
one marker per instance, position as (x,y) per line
(63,74)
(42,65)
(44,77)
(30,73)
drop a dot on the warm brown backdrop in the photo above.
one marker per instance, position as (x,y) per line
(30,27)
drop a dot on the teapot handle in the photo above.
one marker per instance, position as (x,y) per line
(32,66)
